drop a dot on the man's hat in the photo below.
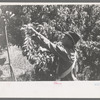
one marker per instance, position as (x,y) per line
(74,37)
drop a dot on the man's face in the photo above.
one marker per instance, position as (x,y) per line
(67,42)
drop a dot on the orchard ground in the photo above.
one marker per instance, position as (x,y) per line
(19,63)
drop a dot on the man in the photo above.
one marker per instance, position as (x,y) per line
(62,53)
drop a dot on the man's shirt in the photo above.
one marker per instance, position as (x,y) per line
(64,60)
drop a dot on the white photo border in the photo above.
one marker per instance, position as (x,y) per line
(42,89)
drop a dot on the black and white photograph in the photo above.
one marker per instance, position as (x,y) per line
(50,42)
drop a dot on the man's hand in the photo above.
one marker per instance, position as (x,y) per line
(74,56)
(28,29)
(29,26)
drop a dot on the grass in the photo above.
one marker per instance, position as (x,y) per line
(19,63)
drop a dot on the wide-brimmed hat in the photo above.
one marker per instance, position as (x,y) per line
(73,36)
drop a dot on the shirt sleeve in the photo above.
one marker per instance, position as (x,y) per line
(53,48)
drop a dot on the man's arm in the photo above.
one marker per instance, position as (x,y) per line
(44,42)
